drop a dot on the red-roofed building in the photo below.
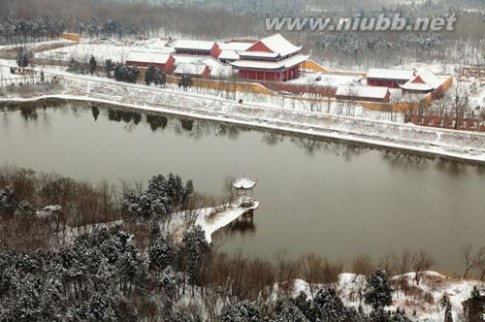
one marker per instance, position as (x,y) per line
(147,58)
(196,70)
(270,59)
(391,78)
(363,93)
(427,82)
(197,48)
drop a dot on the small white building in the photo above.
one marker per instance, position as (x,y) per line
(244,189)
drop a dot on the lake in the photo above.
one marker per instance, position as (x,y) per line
(333,199)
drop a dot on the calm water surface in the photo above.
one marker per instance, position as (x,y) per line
(332,199)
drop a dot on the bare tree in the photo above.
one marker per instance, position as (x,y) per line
(460,103)
(472,260)
(441,107)
(351,94)
(362,265)
(422,262)
(286,272)
(404,262)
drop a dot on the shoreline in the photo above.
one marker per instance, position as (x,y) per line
(430,149)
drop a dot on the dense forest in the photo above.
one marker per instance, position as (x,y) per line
(71,251)
(25,20)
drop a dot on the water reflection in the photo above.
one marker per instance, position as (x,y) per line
(29,113)
(198,129)
(243,226)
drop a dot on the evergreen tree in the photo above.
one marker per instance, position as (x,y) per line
(185,81)
(7,201)
(161,253)
(474,307)
(92,65)
(109,67)
(378,291)
(160,77)
(196,252)
(286,310)
(95,112)
(244,311)
(150,75)
(23,58)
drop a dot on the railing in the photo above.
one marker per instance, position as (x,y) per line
(24,80)
(448,122)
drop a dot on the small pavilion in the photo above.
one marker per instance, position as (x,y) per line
(244,188)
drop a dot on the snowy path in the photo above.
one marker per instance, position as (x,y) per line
(446,143)
(211,220)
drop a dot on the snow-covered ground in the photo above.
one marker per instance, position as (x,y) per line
(35,45)
(326,79)
(424,299)
(103,50)
(82,52)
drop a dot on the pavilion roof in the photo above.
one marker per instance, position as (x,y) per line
(244,183)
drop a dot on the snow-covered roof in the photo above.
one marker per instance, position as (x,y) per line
(235,45)
(430,78)
(229,55)
(416,86)
(194,44)
(217,68)
(244,183)
(155,57)
(390,74)
(263,54)
(285,63)
(278,45)
(186,59)
(425,80)
(192,69)
(362,91)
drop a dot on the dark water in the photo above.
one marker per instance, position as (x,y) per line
(333,199)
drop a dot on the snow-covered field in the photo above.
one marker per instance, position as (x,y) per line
(103,50)
(82,52)
(34,45)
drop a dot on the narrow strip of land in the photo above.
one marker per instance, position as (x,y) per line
(459,145)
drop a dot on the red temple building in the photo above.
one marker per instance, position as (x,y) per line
(391,78)
(427,82)
(270,59)
(147,58)
(197,48)
(196,70)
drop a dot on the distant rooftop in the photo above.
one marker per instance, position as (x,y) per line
(194,44)
(398,74)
